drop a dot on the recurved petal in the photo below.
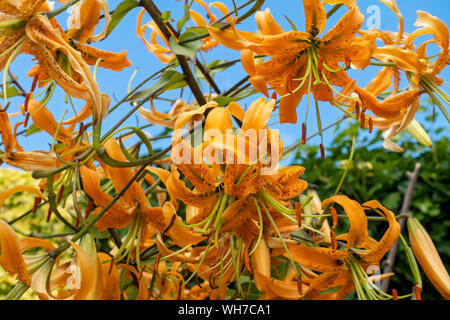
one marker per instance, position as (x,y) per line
(31,161)
(441,36)
(233,38)
(11,258)
(258,114)
(381,82)
(274,288)
(179,234)
(358,234)
(375,254)
(218,119)
(121,176)
(319,258)
(115,61)
(391,106)
(315,16)
(43,119)
(288,107)
(343,33)
(266,23)
(177,190)
(111,279)
(117,216)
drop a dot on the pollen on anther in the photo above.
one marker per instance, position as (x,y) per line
(348,62)
(274,96)
(89,209)
(322,151)
(34,83)
(320,65)
(394,294)
(334,216)
(417,293)
(333,240)
(289,83)
(370,125)
(37,201)
(357,110)
(303,133)
(49,214)
(61,192)
(298,211)
(363,120)
(25,122)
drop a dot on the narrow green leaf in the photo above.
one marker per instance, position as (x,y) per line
(120,12)
(169,80)
(166,16)
(32,129)
(221,101)
(188,49)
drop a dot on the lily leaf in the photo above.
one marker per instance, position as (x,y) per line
(169,80)
(221,101)
(188,49)
(120,12)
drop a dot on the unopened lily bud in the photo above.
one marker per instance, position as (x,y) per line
(418,132)
(428,257)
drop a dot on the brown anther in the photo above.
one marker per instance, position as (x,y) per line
(34,83)
(333,240)
(322,151)
(303,133)
(81,130)
(289,83)
(363,120)
(27,100)
(357,110)
(274,96)
(25,122)
(394,294)
(320,65)
(37,201)
(89,209)
(60,194)
(49,214)
(299,285)
(298,211)
(334,216)
(417,292)
(77,223)
(247,261)
(348,62)
(370,125)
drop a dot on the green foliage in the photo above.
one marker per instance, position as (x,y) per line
(121,11)
(379,174)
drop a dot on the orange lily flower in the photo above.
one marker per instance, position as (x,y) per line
(163,53)
(169,119)
(339,267)
(133,208)
(397,111)
(301,62)
(42,40)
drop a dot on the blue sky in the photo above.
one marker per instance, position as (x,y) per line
(124,38)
